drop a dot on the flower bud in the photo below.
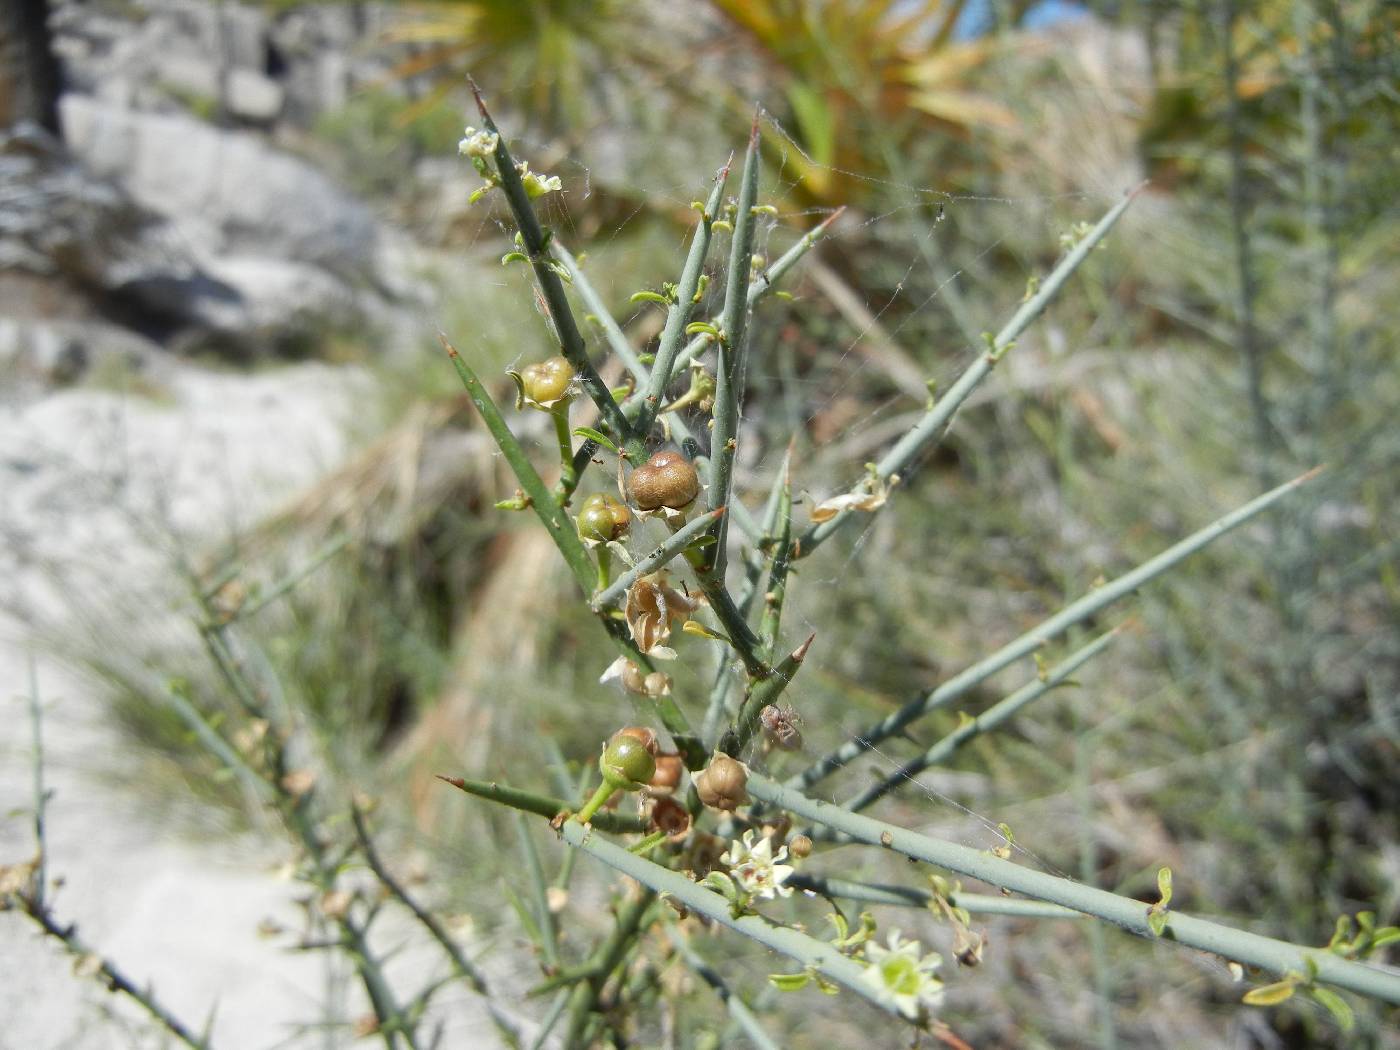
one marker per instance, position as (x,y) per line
(545,383)
(668,774)
(626,762)
(603,518)
(721,784)
(666,480)
(800,847)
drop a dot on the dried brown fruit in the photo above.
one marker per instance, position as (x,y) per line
(666,480)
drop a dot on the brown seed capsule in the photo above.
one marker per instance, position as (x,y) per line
(666,480)
(721,784)
(800,847)
(652,605)
(668,774)
(670,816)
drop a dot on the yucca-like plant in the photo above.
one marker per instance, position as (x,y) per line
(734,837)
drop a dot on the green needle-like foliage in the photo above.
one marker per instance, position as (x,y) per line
(675,825)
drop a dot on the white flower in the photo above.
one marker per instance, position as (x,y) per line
(757,871)
(537,185)
(901,977)
(478,143)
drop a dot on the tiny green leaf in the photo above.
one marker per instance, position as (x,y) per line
(1164,886)
(594,435)
(790,982)
(1157,922)
(1270,994)
(1336,1006)
(1385,935)
(650,297)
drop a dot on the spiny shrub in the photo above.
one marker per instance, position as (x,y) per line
(711,834)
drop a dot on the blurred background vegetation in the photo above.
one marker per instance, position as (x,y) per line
(1240,327)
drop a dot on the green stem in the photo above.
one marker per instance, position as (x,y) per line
(543,805)
(602,794)
(612,331)
(753,571)
(605,958)
(112,978)
(1027,643)
(732,346)
(989,720)
(648,844)
(604,566)
(430,922)
(287,584)
(674,544)
(738,1009)
(561,529)
(546,507)
(1279,957)
(568,474)
(680,312)
(551,287)
(763,692)
(936,420)
(736,626)
(913,897)
(534,870)
(808,952)
(776,592)
(767,280)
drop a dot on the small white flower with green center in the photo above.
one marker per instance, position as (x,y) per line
(537,185)
(756,869)
(901,976)
(478,143)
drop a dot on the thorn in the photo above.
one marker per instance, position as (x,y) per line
(1309,475)
(800,653)
(753,130)
(451,350)
(456,782)
(825,223)
(476,94)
